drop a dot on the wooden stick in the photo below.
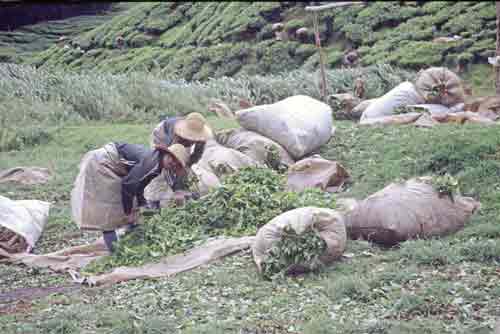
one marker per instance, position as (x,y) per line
(334,5)
(497,68)
(321,60)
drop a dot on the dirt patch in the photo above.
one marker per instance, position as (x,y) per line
(27,294)
(19,307)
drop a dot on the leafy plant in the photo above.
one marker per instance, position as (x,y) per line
(294,253)
(273,159)
(446,185)
(408,109)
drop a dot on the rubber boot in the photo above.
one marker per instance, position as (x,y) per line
(109,238)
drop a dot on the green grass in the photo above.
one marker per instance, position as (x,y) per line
(44,100)
(447,285)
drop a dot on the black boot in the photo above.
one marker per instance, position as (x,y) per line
(109,239)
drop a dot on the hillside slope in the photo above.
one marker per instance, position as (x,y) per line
(202,39)
(20,43)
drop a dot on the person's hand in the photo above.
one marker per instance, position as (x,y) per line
(180,197)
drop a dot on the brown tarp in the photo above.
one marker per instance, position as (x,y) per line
(463,117)
(392,119)
(26,175)
(172,265)
(69,258)
(72,259)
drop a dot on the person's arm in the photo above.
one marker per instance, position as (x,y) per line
(199,148)
(168,129)
(137,179)
(130,185)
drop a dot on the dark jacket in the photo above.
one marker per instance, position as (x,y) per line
(143,168)
(168,126)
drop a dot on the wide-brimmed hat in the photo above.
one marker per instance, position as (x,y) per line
(180,153)
(194,128)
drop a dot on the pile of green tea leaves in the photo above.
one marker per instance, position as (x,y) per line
(446,185)
(294,253)
(273,159)
(408,109)
(244,202)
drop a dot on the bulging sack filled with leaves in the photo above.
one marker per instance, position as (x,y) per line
(255,146)
(96,200)
(299,123)
(299,240)
(159,190)
(221,161)
(417,208)
(205,180)
(316,172)
(439,85)
(21,223)
(402,95)
(343,106)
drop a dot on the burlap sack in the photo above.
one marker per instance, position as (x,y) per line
(316,172)
(488,107)
(403,211)
(464,117)
(439,85)
(252,144)
(75,258)
(402,95)
(221,161)
(360,108)
(221,109)
(343,106)
(96,200)
(329,224)
(21,223)
(299,123)
(206,180)
(159,190)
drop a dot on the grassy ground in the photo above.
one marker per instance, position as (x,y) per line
(447,285)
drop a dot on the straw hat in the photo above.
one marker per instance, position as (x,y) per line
(180,153)
(193,127)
